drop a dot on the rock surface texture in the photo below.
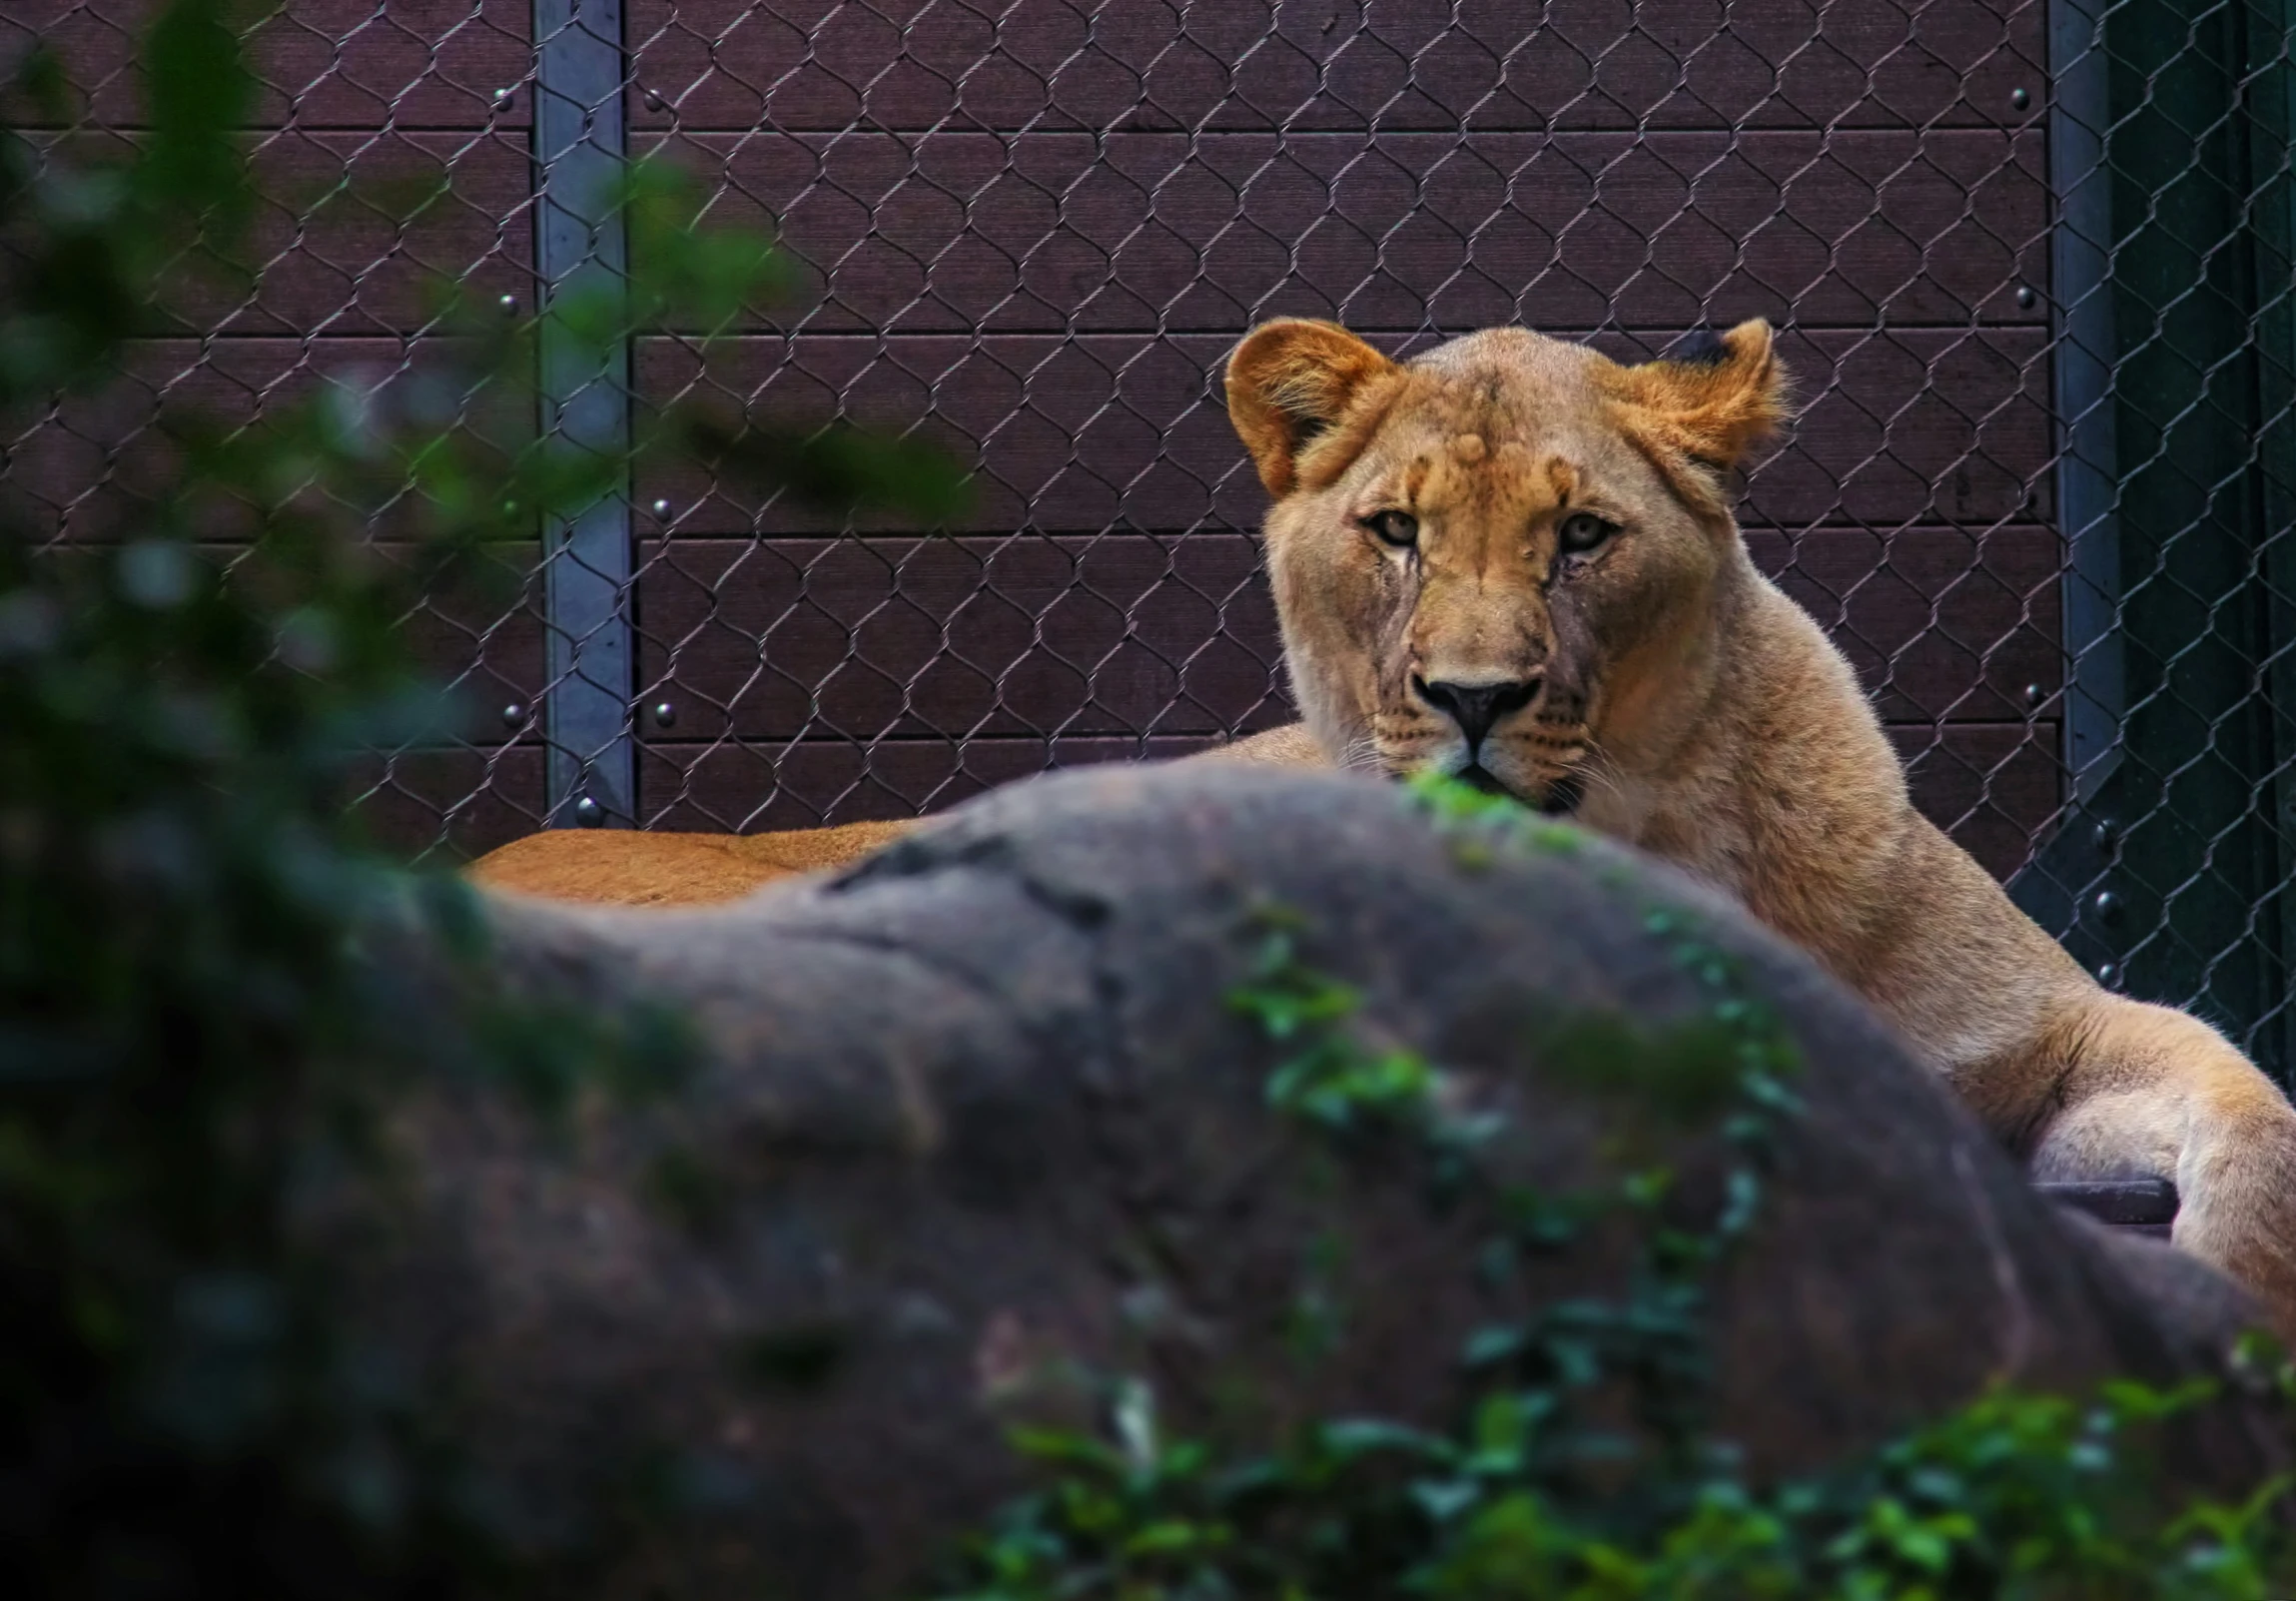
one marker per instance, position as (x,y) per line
(976,1129)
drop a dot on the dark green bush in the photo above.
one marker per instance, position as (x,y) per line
(189,1034)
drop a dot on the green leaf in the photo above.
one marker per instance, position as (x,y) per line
(834,466)
(201,94)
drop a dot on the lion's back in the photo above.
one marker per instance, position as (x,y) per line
(632,868)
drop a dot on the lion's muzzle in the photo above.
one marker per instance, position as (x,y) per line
(1477,708)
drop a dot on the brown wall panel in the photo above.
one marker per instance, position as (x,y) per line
(321,63)
(748,788)
(368,233)
(1993,787)
(476,634)
(1029,635)
(1101,429)
(1940,624)
(1490,64)
(446,806)
(1177,635)
(362,232)
(953,232)
(481,639)
(85,471)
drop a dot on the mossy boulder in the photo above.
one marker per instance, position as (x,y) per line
(977,1131)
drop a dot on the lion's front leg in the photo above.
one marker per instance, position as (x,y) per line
(2158,1094)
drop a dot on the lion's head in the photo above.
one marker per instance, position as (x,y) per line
(1498,559)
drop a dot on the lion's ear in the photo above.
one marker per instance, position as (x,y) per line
(1711,399)
(1291,382)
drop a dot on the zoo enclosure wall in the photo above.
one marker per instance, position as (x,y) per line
(2030,260)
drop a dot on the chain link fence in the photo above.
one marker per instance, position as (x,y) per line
(2033,261)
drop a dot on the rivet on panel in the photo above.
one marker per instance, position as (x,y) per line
(589,813)
(2020,99)
(665,714)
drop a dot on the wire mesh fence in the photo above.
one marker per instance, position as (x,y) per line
(2031,260)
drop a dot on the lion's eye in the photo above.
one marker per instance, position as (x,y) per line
(1398,528)
(1582,531)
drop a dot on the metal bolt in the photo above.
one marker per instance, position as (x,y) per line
(589,813)
(510,305)
(2105,835)
(2035,694)
(514,714)
(2108,975)
(2020,99)
(502,97)
(2106,905)
(665,714)
(2026,299)
(662,510)
(655,101)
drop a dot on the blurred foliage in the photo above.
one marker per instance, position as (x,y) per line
(200,1018)
(1581,1465)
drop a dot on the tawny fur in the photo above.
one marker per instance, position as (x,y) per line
(1710,721)
(1706,717)
(628,868)
(625,867)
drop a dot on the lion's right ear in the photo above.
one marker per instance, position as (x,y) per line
(1293,382)
(1697,410)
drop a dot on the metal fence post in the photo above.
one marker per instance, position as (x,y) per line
(2088,466)
(581,137)
(2071,865)
(2169,884)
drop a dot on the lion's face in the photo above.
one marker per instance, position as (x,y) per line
(1497,559)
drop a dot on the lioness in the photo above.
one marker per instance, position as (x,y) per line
(1513,560)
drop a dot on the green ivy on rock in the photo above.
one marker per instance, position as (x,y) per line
(1535,1491)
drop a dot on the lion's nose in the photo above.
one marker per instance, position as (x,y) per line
(1476,707)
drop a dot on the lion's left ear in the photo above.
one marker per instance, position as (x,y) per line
(1708,402)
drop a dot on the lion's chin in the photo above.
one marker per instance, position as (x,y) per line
(1556,797)
(1476,776)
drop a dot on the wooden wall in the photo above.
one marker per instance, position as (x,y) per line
(1039,230)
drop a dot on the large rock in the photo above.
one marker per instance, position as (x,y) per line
(977,1113)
